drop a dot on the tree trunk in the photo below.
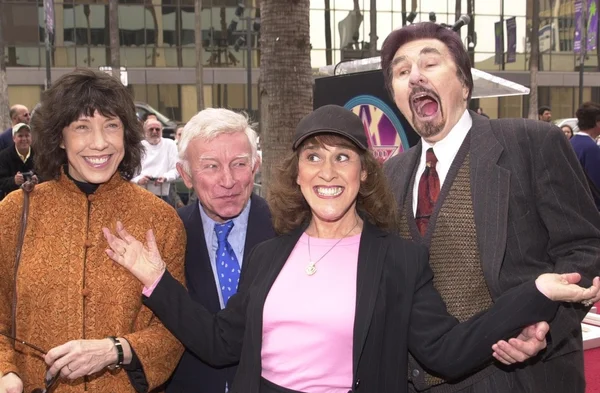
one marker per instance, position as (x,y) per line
(198,39)
(328,48)
(113,26)
(534,60)
(373,23)
(286,83)
(4,105)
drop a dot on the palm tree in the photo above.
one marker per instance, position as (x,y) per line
(113,31)
(4,106)
(198,39)
(286,83)
(534,60)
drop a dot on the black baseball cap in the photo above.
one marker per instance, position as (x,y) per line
(331,119)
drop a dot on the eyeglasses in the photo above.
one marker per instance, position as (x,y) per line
(48,383)
(154,129)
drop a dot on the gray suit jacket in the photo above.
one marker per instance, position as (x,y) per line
(534,213)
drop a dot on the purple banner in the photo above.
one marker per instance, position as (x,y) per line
(511,40)
(592,27)
(499,34)
(49,15)
(578,30)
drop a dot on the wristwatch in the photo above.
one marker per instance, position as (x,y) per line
(120,356)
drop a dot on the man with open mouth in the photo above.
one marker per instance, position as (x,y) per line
(495,201)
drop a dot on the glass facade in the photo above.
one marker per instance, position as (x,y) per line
(159,35)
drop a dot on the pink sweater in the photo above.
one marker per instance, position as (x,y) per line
(309,320)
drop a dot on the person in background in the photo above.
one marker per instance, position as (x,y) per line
(336,301)
(587,151)
(159,161)
(83,315)
(217,157)
(490,199)
(545,114)
(567,130)
(18,114)
(178,132)
(16,165)
(173,192)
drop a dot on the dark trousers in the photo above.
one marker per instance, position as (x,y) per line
(270,387)
(563,374)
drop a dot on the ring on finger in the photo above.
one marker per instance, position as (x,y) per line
(588,302)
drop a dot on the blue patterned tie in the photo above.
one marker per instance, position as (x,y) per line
(228,267)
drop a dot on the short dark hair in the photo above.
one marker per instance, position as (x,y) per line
(426,30)
(83,92)
(543,109)
(588,115)
(289,209)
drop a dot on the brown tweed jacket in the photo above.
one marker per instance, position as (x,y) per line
(68,289)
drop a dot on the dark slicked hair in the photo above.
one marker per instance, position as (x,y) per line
(543,109)
(83,92)
(588,115)
(421,31)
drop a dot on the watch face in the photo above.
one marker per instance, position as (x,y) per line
(385,133)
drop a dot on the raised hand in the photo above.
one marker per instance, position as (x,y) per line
(144,263)
(563,288)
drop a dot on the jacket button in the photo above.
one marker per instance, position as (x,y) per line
(91,197)
(88,243)
(415,373)
(85,292)
(357,383)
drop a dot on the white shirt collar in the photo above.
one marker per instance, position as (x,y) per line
(445,151)
(583,133)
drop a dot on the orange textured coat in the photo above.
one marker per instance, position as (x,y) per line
(68,289)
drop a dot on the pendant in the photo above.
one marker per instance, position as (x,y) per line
(311,269)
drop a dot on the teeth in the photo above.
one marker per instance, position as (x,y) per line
(97,160)
(329,191)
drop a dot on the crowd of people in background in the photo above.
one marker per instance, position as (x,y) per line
(446,270)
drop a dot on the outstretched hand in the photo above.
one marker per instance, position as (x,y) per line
(527,344)
(563,288)
(144,262)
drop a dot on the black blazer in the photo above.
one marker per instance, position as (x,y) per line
(397,310)
(533,214)
(192,375)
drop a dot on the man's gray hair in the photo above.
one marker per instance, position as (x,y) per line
(212,122)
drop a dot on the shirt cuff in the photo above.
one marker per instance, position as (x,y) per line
(135,372)
(148,291)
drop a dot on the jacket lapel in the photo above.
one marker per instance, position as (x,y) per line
(401,178)
(267,277)
(370,266)
(259,227)
(490,186)
(198,272)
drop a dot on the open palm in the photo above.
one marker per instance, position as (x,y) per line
(144,262)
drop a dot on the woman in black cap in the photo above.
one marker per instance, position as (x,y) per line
(335,303)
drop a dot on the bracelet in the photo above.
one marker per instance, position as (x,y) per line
(120,356)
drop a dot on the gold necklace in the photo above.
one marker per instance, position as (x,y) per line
(312,266)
